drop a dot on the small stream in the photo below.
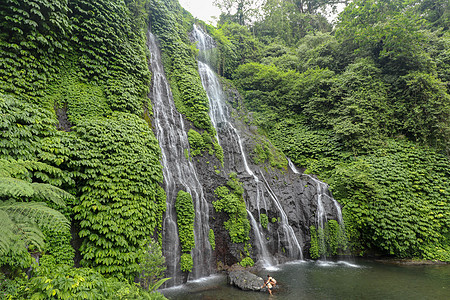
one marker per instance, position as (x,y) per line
(361,279)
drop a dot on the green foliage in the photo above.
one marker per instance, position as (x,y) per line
(33,44)
(388,31)
(22,222)
(328,241)
(236,46)
(116,161)
(321,50)
(58,245)
(264,220)
(247,262)
(79,99)
(314,248)
(291,20)
(86,59)
(179,63)
(59,281)
(200,142)
(111,50)
(196,142)
(264,152)
(212,239)
(359,114)
(425,107)
(153,267)
(396,200)
(39,38)
(21,228)
(186,262)
(277,94)
(232,203)
(185,220)
(23,126)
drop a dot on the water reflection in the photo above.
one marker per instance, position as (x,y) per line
(361,279)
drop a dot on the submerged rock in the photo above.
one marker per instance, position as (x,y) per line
(245,280)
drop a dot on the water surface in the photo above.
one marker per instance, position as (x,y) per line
(362,279)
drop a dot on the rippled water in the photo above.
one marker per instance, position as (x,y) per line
(362,279)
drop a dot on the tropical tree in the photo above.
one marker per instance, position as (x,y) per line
(23,214)
(239,11)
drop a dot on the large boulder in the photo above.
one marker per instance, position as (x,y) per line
(245,280)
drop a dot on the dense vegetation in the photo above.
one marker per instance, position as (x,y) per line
(77,149)
(365,105)
(231,201)
(185,221)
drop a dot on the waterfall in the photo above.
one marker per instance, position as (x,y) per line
(221,119)
(264,257)
(179,174)
(321,217)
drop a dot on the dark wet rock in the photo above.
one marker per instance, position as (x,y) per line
(245,280)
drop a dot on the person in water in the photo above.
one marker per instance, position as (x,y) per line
(270,283)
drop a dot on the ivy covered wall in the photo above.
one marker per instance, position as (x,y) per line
(81,67)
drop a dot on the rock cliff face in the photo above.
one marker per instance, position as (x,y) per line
(281,203)
(297,194)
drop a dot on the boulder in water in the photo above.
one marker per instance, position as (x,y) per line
(245,280)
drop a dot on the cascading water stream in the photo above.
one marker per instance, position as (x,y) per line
(321,218)
(265,257)
(179,174)
(221,119)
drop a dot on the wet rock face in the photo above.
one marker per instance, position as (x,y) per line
(245,280)
(297,194)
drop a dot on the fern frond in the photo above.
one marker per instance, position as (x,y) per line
(6,232)
(12,169)
(28,170)
(38,211)
(31,234)
(51,193)
(15,188)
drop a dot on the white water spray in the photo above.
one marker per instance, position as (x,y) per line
(221,120)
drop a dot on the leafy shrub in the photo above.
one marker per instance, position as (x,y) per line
(264,220)
(196,142)
(247,262)
(395,200)
(314,248)
(186,262)
(185,220)
(212,239)
(153,267)
(116,162)
(232,203)
(58,281)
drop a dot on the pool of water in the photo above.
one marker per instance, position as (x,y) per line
(359,279)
